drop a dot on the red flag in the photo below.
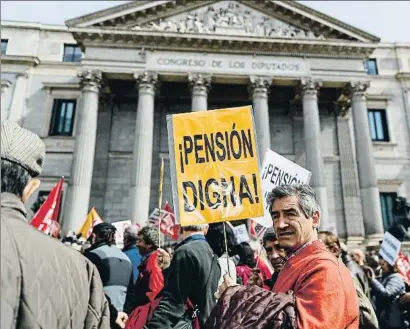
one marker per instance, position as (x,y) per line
(46,218)
(168,225)
(256,230)
(403,265)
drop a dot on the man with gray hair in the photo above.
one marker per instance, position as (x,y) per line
(193,275)
(130,249)
(44,283)
(324,290)
(325,296)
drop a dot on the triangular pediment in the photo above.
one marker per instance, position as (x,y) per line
(256,18)
(228,18)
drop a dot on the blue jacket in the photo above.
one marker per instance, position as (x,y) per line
(135,257)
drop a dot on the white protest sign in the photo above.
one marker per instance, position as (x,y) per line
(277,170)
(332,228)
(390,248)
(241,233)
(119,234)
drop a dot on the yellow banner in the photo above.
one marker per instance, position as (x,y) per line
(216,166)
(92,219)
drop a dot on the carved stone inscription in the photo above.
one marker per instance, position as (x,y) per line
(232,64)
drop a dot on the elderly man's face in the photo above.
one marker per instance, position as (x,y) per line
(276,254)
(292,227)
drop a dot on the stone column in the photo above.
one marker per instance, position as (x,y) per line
(314,160)
(349,179)
(5,84)
(200,85)
(79,186)
(142,153)
(259,90)
(18,103)
(369,191)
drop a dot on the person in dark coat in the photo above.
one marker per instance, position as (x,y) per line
(387,290)
(193,274)
(130,249)
(114,266)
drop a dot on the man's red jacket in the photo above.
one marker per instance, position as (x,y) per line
(324,289)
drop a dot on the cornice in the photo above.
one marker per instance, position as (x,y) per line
(333,20)
(22,60)
(137,5)
(154,40)
(56,85)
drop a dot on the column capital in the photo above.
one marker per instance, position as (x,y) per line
(22,75)
(309,86)
(90,79)
(146,81)
(5,84)
(200,83)
(356,88)
(259,86)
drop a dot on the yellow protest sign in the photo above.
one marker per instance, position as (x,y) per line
(214,165)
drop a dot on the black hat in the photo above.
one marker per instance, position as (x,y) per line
(104,227)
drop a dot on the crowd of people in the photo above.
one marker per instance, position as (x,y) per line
(308,279)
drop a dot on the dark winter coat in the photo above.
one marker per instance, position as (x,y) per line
(192,265)
(390,287)
(358,272)
(253,308)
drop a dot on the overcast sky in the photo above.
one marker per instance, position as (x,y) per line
(389,20)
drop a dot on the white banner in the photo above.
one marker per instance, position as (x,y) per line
(277,170)
(241,233)
(390,248)
(119,235)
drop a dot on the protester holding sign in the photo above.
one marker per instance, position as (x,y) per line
(192,281)
(216,239)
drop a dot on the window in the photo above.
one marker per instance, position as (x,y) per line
(378,125)
(62,120)
(387,204)
(72,53)
(370,66)
(4,44)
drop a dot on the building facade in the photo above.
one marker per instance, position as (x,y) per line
(326,95)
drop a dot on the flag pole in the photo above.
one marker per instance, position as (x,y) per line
(226,249)
(161,180)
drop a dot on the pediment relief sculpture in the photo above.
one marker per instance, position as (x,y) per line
(229,18)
